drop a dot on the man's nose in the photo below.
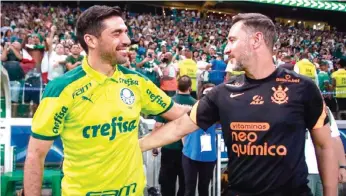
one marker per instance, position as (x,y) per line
(126,40)
(227,50)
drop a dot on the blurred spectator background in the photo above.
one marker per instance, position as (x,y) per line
(38,44)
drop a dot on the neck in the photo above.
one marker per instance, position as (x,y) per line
(99,65)
(260,68)
(75,55)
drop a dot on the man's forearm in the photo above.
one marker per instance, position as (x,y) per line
(339,151)
(328,168)
(33,170)
(169,133)
(160,137)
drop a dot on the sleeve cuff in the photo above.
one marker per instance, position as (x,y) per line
(168,108)
(323,119)
(43,137)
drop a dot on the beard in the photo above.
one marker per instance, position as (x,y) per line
(238,66)
(242,59)
(113,58)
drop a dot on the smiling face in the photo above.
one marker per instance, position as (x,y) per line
(113,43)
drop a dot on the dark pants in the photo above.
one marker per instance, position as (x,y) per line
(304,190)
(192,169)
(341,103)
(331,103)
(171,167)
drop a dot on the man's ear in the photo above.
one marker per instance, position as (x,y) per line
(91,41)
(258,40)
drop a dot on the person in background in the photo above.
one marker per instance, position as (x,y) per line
(168,81)
(132,59)
(306,68)
(325,86)
(199,156)
(171,155)
(189,67)
(75,59)
(36,48)
(218,71)
(11,57)
(149,67)
(339,85)
(287,63)
(56,65)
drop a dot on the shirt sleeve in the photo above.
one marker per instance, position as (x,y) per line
(315,109)
(160,119)
(333,75)
(333,125)
(154,100)
(296,68)
(317,80)
(68,59)
(49,119)
(205,112)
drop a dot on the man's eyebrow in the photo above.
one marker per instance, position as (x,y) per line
(119,30)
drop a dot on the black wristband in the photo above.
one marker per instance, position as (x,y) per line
(342,166)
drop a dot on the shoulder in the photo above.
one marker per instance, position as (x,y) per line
(68,58)
(58,85)
(289,76)
(193,100)
(334,73)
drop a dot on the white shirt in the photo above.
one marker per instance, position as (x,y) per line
(58,70)
(310,156)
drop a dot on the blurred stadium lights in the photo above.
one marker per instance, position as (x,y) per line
(312,4)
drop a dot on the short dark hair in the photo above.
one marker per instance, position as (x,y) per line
(305,55)
(258,22)
(74,44)
(342,62)
(90,21)
(287,58)
(184,83)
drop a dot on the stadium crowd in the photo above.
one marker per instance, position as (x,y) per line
(38,44)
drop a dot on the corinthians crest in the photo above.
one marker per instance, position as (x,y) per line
(279,95)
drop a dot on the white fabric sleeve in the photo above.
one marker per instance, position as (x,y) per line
(296,68)
(316,79)
(333,126)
